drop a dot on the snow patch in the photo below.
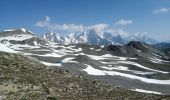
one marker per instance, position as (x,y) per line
(98,50)
(141,66)
(92,71)
(108,56)
(156,60)
(69,60)
(91,48)
(146,91)
(51,55)
(102,46)
(116,68)
(19,37)
(22,47)
(23,29)
(6,49)
(35,43)
(51,64)
(143,73)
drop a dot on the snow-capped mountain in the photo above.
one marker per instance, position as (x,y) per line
(96,38)
(136,63)
(20,38)
(89,37)
(57,38)
(24,36)
(142,38)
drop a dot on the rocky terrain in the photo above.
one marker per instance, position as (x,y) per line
(25,78)
(135,66)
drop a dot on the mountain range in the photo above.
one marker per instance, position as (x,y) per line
(93,37)
(134,65)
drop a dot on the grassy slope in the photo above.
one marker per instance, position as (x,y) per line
(24,78)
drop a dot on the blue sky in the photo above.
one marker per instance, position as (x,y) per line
(151,17)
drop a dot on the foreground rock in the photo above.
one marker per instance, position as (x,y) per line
(24,78)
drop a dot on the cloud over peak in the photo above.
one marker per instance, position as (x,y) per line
(59,27)
(75,28)
(123,22)
(99,27)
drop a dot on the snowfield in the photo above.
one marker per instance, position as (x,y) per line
(93,71)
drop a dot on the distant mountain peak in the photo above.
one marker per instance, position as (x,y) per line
(142,38)
(23,29)
(134,43)
(90,36)
(19,31)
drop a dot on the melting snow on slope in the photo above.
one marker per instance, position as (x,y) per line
(99,57)
(98,50)
(156,60)
(20,37)
(106,56)
(146,91)
(92,49)
(51,55)
(135,64)
(92,71)
(116,67)
(140,66)
(6,49)
(123,68)
(69,60)
(76,50)
(143,73)
(51,64)
(35,43)
(21,47)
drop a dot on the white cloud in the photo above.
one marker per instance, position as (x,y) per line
(141,34)
(59,27)
(102,28)
(122,32)
(47,18)
(99,27)
(73,28)
(68,27)
(44,23)
(123,22)
(162,11)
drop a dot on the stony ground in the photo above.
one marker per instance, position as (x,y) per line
(24,78)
